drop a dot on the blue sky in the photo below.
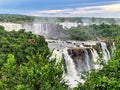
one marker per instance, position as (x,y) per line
(62,8)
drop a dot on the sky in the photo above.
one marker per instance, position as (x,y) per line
(62,8)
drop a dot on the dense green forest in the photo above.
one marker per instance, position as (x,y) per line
(25,64)
(93,32)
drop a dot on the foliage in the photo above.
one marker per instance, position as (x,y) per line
(37,74)
(15,18)
(1,28)
(25,64)
(93,32)
(106,79)
(20,44)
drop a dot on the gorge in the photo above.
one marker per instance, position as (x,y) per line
(79,56)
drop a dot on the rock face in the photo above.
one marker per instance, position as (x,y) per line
(82,57)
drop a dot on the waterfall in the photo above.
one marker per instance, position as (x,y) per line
(80,57)
(106,53)
(12,26)
(95,58)
(48,30)
(71,73)
(56,54)
(69,24)
(87,60)
(113,47)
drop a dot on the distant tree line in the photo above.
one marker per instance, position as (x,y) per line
(93,32)
(14,18)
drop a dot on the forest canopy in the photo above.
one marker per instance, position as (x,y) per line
(25,64)
(93,32)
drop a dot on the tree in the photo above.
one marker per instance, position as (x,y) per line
(39,73)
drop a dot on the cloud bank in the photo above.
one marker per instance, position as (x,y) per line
(111,10)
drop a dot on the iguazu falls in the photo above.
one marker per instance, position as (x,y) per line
(60,45)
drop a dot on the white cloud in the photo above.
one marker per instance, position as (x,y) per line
(112,10)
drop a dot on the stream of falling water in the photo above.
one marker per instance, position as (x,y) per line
(71,71)
(106,53)
(71,74)
(95,58)
(87,60)
(80,59)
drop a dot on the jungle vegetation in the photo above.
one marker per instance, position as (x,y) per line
(25,64)
(93,32)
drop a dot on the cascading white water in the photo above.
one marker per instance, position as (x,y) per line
(95,58)
(56,54)
(48,30)
(81,58)
(106,53)
(113,47)
(12,26)
(69,24)
(87,60)
(71,74)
